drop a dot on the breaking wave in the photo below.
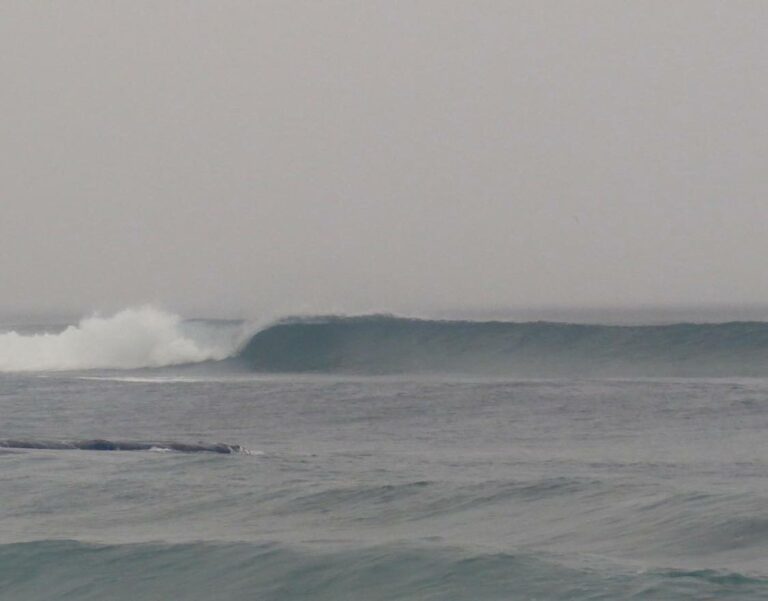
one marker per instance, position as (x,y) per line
(130,339)
(380,344)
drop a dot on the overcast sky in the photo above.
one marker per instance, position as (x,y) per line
(236,158)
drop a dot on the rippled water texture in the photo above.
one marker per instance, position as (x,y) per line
(381,488)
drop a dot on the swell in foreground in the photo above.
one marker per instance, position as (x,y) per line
(206,571)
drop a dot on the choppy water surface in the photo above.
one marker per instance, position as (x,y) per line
(374,488)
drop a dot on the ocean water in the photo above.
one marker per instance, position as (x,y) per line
(145,458)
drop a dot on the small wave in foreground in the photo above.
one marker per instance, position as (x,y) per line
(68,570)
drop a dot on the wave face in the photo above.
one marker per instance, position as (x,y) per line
(383,344)
(130,339)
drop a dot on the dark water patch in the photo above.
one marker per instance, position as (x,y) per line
(99,444)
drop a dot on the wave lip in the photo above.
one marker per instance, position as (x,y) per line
(98,444)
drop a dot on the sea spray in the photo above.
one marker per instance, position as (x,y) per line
(130,339)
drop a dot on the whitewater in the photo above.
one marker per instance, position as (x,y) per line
(130,339)
(145,456)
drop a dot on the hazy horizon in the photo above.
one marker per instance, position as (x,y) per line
(648,315)
(498,159)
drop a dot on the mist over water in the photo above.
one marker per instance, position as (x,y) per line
(562,203)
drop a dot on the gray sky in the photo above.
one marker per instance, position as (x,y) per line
(236,158)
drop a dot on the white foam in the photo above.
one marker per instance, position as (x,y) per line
(130,339)
(251,452)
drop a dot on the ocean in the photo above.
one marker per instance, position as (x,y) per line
(148,458)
